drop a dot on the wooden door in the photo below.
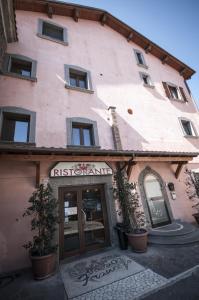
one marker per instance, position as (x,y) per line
(83,219)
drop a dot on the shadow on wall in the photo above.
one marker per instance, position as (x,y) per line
(154,92)
(193,141)
(129,136)
(182,106)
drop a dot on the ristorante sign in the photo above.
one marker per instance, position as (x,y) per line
(67,169)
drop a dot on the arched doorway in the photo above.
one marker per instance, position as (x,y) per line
(154,197)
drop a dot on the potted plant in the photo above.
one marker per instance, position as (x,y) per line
(134,222)
(42,250)
(192,190)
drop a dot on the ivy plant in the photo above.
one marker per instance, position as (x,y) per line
(192,187)
(43,213)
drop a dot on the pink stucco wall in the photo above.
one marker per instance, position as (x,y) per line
(181,207)
(17,182)
(154,124)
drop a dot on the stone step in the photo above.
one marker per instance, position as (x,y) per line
(190,238)
(174,229)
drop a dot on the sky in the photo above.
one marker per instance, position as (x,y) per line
(172,24)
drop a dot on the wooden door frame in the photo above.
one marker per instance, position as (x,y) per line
(78,189)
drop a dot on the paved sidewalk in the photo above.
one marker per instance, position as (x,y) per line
(185,289)
(161,261)
(168,261)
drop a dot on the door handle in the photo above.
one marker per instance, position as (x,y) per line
(84,214)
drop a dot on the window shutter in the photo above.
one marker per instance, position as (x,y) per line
(167,92)
(183,94)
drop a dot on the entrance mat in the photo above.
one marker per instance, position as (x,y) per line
(91,273)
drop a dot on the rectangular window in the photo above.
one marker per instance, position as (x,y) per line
(78,80)
(146,79)
(21,67)
(53,31)
(82,135)
(174,92)
(140,58)
(188,128)
(15,128)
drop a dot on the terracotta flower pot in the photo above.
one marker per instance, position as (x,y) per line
(43,266)
(138,241)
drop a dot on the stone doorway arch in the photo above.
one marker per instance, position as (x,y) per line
(154,198)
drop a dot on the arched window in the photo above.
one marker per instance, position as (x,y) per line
(154,198)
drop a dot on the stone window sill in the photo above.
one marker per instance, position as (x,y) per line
(52,39)
(19,76)
(191,136)
(81,147)
(177,100)
(142,66)
(17,143)
(149,86)
(78,89)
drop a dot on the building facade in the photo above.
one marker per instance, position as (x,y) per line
(82,93)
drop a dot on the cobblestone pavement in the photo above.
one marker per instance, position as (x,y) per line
(126,289)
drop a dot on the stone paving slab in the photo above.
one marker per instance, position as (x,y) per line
(130,288)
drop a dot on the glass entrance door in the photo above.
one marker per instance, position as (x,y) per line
(69,236)
(157,207)
(83,215)
(93,217)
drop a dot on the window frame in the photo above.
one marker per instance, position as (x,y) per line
(19,112)
(150,85)
(170,85)
(41,35)
(180,90)
(83,122)
(81,71)
(144,65)
(193,128)
(7,63)
(81,128)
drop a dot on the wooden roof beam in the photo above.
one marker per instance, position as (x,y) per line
(179,169)
(164,59)
(49,11)
(51,158)
(148,48)
(182,71)
(76,15)
(162,159)
(103,19)
(130,37)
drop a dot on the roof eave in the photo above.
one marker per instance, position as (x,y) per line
(96,14)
